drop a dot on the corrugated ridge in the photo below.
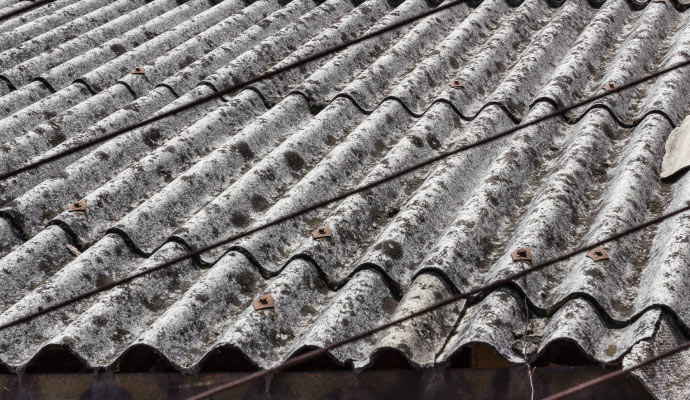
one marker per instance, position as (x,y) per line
(9,80)
(543,169)
(41,139)
(70,62)
(22,235)
(37,13)
(267,273)
(501,104)
(571,120)
(99,19)
(444,353)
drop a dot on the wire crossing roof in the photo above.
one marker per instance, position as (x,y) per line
(153,194)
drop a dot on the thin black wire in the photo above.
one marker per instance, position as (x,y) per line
(27,7)
(616,374)
(493,285)
(230,90)
(318,352)
(339,197)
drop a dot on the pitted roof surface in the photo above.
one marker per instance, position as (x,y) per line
(284,143)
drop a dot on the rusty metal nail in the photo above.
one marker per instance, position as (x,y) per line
(457,83)
(263,302)
(609,86)
(79,205)
(321,232)
(522,254)
(598,254)
(138,71)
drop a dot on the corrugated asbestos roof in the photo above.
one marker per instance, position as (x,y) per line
(187,181)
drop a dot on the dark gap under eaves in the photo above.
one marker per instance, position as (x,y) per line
(227,359)
(321,363)
(390,359)
(55,359)
(141,359)
(558,353)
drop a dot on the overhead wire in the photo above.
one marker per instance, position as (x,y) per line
(348,193)
(617,374)
(231,89)
(315,353)
(493,285)
(21,10)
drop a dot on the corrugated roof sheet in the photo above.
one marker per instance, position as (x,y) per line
(207,173)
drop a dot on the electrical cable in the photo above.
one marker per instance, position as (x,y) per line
(318,352)
(229,90)
(346,194)
(22,10)
(616,374)
(339,197)
(491,286)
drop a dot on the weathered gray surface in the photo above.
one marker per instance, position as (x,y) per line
(370,110)
(677,155)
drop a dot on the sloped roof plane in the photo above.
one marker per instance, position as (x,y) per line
(284,143)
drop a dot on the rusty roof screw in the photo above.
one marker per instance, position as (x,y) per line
(609,86)
(522,254)
(457,83)
(138,71)
(322,232)
(263,302)
(598,254)
(79,205)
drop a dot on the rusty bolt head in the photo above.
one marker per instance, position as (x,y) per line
(609,86)
(322,232)
(598,254)
(138,71)
(263,302)
(522,254)
(79,205)
(457,83)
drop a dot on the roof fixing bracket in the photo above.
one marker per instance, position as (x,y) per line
(609,86)
(79,205)
(263,302)
(138,71)
(597,254)
(322,232)
(522,254)
(457,83)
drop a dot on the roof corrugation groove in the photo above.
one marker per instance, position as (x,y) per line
(281,144)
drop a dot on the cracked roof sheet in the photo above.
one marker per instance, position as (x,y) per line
(284,143)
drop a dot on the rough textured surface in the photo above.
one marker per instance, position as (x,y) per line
(677,156)
(184,182)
